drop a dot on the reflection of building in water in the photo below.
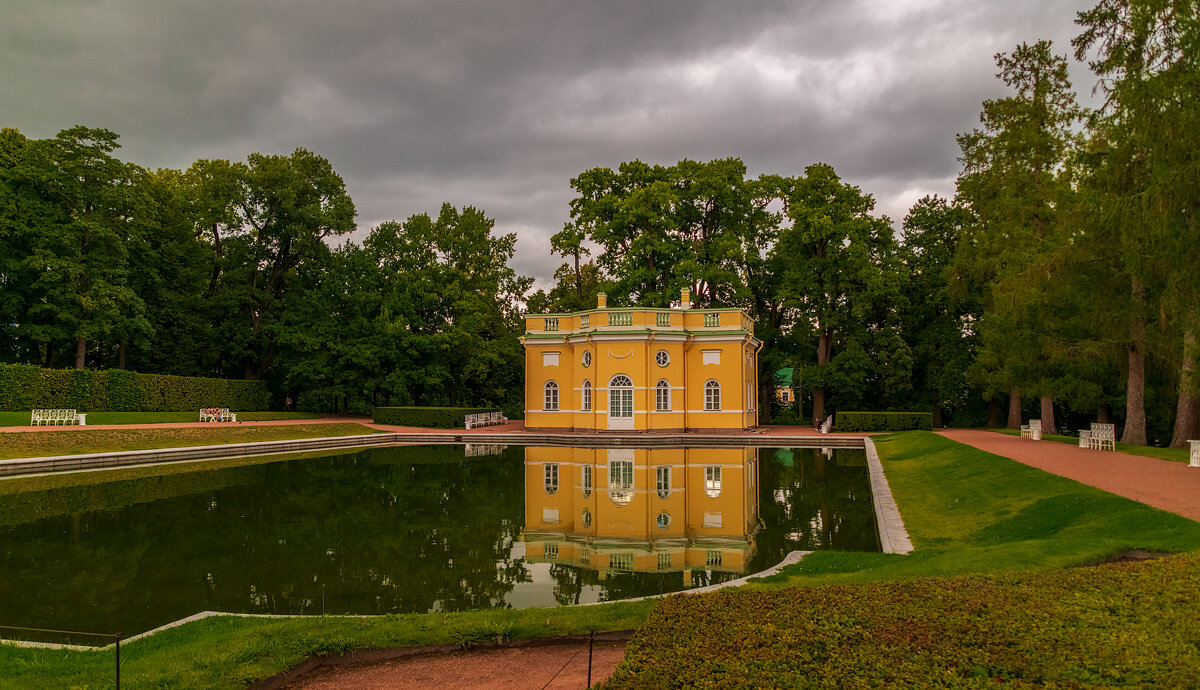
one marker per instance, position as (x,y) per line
(644,510)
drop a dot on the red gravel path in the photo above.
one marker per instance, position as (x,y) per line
(517,667)
(1171,486)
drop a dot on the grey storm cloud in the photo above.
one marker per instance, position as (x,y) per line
(498,105)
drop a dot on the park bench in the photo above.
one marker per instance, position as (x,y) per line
(1194,460)
(217,414)
(1032,430)
(1101,436)
(485,419)
(55,417)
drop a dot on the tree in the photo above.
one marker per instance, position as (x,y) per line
(1011,182)
(841,274)
(1145,54)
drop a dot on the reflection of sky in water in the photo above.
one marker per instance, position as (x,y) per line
(406,529)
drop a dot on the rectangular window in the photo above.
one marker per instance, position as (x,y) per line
(550,476)
(587,481)
(620,561)
(587,396)
(620,318)
(662,398)
(713,558)
(712,396)
(620,474)
(552,324)
(550,550)
(664,561)
(664,319)
(663,481)
(585,320)
(711,320)
(712,481)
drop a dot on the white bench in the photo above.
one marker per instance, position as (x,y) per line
(1100,436)
(217,414)
(485,419)
(1195,456)
(55,417)
(1032,430)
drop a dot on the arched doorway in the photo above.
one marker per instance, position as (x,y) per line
(620,402)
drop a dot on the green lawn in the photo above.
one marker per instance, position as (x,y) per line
(1172,454)
(71,442)
(968,512)
(22,418)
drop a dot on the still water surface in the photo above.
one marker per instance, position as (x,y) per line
(415,529)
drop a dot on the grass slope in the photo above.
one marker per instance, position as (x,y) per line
(71,442)
(1126,625)
(1172,454)
(969,511)
(22,418)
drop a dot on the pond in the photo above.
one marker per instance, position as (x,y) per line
(414,529)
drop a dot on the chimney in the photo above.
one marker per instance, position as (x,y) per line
(601,300)
(685,299)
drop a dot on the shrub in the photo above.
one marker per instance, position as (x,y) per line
(884,421)
(27,387)
(433,417)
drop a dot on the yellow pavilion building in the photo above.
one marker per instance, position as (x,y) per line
(642,510)
(641,369)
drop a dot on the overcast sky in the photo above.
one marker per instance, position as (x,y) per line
(498,104)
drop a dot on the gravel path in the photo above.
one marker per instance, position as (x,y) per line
(1171,486)
(516,667)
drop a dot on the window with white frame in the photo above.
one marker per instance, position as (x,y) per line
(587,481)
(586,359)
(550,396)
(550,476)
(662,358)
(587,517)
(712,481)
(663,520)
(587,395)
(662,396)
(663,481)
(620,480)
(712,395)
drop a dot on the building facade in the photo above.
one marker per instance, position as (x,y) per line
(640,369)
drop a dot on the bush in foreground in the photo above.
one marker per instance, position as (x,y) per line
(429,417)
(1134,624)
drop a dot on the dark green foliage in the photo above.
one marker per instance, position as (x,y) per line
(884,421)
(1127,625)
(26,387)
(431,417)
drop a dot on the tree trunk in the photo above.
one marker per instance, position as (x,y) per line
(1014,409)
(1104,415)
(49,363)
(1135,385)
(1048,415)
(80,352)
(1187,413)
(993,414)
(819,393)
(121,355)
(937,417)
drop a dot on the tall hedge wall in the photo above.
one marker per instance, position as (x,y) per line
(883,421)
(429,417)
(27,387)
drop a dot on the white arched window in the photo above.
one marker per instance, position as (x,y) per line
(662,396)
(712,395)
(550,396)
(587,395)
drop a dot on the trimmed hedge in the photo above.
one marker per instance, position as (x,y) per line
(884,421)
(1122,625)
(429,417)
(27,387)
